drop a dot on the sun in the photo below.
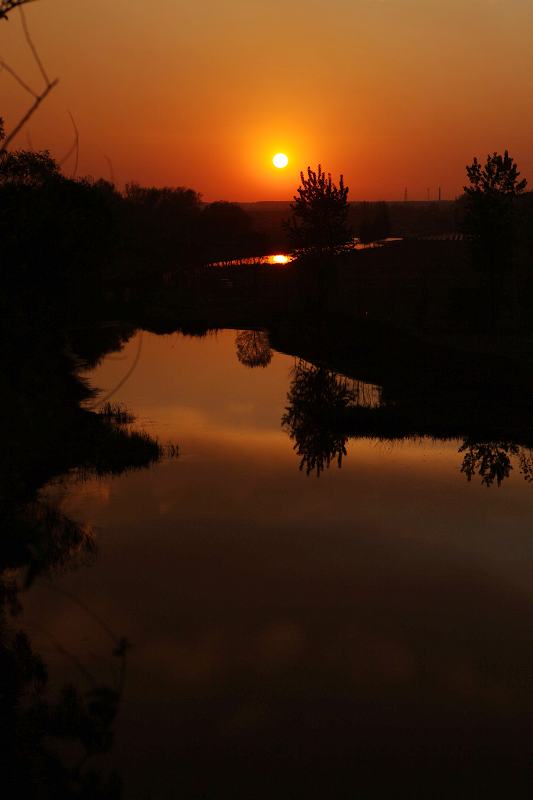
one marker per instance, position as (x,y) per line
(280,160)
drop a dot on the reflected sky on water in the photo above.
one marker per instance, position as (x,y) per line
(378,615)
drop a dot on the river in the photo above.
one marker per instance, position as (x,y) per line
(292,635)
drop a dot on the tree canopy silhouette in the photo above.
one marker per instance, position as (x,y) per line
(491,218)
(499,176)
(491,194)
(319,212)
(26,168)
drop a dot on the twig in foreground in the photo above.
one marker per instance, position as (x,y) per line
(33,108)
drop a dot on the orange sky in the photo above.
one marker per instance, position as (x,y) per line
(393,93)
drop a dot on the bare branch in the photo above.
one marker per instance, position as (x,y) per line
(6,6)
(5,65)
(32,47)
(33,108)
(111,170)
(74,148)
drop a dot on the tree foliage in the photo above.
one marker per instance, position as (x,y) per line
(55,232)
(492,222)
(26,168)
(319,212)
(498,177)
(491,195)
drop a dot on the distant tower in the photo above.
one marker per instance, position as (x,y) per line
(440,194)
(405,195)
(427,190)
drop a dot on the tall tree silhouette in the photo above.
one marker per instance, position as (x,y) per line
(319,213)
(490,215)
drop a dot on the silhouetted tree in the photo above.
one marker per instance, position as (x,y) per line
(497,178)
(24,168)
(57,234)
(319,213)
(316,398)
(490,195)
(253,348)
(490,214)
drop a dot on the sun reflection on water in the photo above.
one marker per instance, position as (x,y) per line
(279,259)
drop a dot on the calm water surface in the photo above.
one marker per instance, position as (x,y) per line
(291,633)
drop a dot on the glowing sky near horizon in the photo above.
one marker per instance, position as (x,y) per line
(392,93)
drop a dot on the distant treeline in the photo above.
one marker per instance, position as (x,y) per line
(371,221)
(63,236)
(60,235)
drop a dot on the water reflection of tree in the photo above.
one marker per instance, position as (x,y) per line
(316,397)
(490,460)
(325,409)
(253,348)
(526,463)
(493,461)
(50,738)
(78,721)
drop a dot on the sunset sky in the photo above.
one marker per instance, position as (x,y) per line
(392,93)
